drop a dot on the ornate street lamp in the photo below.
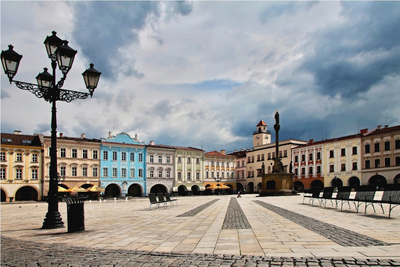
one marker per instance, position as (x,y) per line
(62,55)
(218,180)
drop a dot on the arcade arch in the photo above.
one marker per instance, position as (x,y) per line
(135,190)
(26,193)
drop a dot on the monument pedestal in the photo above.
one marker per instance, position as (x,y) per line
(277,184)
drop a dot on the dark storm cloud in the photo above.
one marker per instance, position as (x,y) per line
(103,27)
(277,9)
(350,59)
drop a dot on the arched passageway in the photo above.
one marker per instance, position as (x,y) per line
(112,190)
(354,181)
(158,188)
(250,187)
(378,181)
(3,196)
(298,186)
(317,184)
(239,187)
(182,190)
(26,193)
(136,190)
(195,190)
(336,182)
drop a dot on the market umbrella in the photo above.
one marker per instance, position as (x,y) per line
(77,189)
(95,189)
(62,189)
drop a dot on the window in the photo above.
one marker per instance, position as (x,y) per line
(258,157)
(387,162)
(62,171)
(84,154)
(367,148)
(74,171)
(188,176)
(310,156)
(151,158)
(34,174)
(168,159)
(19,157)
(168,174)
(141,158)
(132,173)
(387,145)
(222,175)
(3,173)
(115,155)
(318,169)
(123,156)
(217,163)
(303,158)
(377,147)
(354,150)
(94,154)
(343,152)
(367,164)
(303,171)
(84,172)
(151,174)
(123,172)
(331,168)
(179,160)
(197,161)
(280,154)
(252,158)
(159,159)
(242,174)
(262,156)
(188,160)
(132,157)
(249,174)
(140,172)
(285,153)
(2,156)
(343,167)
(310,170)
(34,158)
(105,172)
(95,172)
(269,155)
(114,172)
(397,161)
(296,159)
(105,155)
(248,160)
(212,163)
(397,144)
(331,153)
(62,153)
(179,176)
(212,174)
(18,174)
(159,174)
(354,166)
(74,153)
(207,175)
(318,155)
(377,163)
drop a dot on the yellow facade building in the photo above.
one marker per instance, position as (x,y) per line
(21,167)
(219,172)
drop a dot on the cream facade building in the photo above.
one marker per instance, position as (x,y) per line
(78,162)
(189,170)
(220,171)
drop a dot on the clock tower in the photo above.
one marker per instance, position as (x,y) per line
(262,136)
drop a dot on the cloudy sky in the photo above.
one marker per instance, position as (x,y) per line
(203,74)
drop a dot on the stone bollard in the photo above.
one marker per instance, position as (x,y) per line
(126,199)
(115,199)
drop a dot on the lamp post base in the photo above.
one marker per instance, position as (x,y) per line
(53,220)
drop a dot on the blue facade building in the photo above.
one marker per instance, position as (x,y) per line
(123,170)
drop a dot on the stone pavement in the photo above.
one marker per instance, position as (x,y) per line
(127,233)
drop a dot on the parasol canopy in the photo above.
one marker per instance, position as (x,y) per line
(62,189)
(95,189)
(77,189)
(220,186)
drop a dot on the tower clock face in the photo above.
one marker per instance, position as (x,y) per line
(266,137)
(257,137)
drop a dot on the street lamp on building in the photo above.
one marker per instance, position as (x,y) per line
(61,55)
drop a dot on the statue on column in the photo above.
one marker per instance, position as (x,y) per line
(278,166)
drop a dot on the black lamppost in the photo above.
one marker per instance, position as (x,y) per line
(218,179)
(62,55)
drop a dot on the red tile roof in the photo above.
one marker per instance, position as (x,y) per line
(20,139)
(261,123)
(218,154)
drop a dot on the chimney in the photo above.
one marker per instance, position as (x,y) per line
(17,132)
(109,134)
(363,131)
(83,136)
(386,126)
(311,141)
(136,137)
(379,127)
(61,135)
(152,143)
(223,151)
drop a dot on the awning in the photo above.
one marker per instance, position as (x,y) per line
(220,186)
(62,189)
(95,189)
(77,189)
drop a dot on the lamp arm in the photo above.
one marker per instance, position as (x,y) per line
(60,83)
(34,89)
(44,92)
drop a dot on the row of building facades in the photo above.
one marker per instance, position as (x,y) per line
(124,167)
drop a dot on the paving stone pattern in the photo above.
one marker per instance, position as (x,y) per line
(21,253)
(337,234)
(235,218)
(198,209)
